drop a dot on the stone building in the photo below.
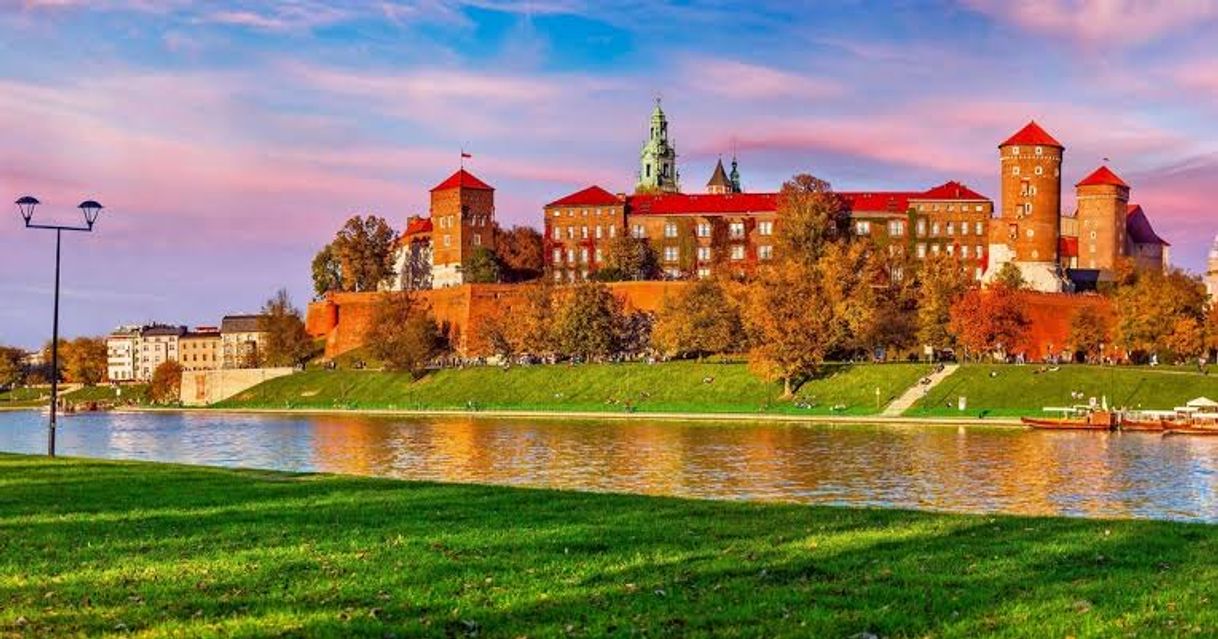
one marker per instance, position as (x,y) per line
(200,349)
(241,341)
(431,251)
(1211,272)
(158,344)
(412,265)
(122,353)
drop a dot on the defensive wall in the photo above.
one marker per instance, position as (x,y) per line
(1050,315)
(343,319)
(203,388)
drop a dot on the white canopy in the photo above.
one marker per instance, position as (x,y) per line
(1203,402)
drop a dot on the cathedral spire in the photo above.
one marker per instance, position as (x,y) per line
(734,176)
(658,159)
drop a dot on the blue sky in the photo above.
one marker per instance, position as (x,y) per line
(230,139)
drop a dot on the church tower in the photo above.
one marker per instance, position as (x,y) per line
(1026,234)
(1211,272)
(658,160)
(1103,206)
(462,219)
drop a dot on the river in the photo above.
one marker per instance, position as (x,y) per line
(976,470)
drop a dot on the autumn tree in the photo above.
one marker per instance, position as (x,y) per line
(1160,311)
(404,334)
(893,324)
(1090,331)
(364,252)
(812,217)
(942,280)
(286,341)
(1011,277)
(588,322)
(59,372)
(699,320)
(12,366)
(990,321)
(482,266)
(521,251)
(789,332)
(166,384)
(629,258)
(85,361)
(532,328)
(327,272)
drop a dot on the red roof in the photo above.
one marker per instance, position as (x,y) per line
(1032,135)
(670,203)
(878,201)
(463,179)
(1102,176)
(1067,246)
(951,191)
(418,225)
(591,196)
(1139,228)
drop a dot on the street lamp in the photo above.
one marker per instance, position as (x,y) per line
(90,209)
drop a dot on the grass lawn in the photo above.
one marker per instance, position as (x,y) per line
(667,387)
(24,397)
(36,397)
(1020,390)
(95,547)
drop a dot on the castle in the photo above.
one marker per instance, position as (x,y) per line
(431,250)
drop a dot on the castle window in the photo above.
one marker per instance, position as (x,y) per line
(980,228)
(977,273)
(570,212)
(1031,232)
(934,249)
(571,255)
(964,251)
(583,255)
(951,249)
(765,228)
(737,252)
(639,231)
(921,250)
(557,276)
(583,232)
(921,227)
(570,232)
(612,231)
(704,229)
(765,252)
(1014,170)
(862,227)
(670,253)
(448,240)
(951,228)
(703,272)
(1040,150)
(598,231)
(934,229)
(1040,170)
(670,229)
(736,229)
(704,253)
(896,228)
(477,239)
(600,256)
(585,213)
(1014,150)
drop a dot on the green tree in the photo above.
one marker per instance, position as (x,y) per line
(811,216)
(1160,311)
(699,320)
(327,271)
(404,333)
(12,366)
(165,387)
(532,325)
(286,341)
(789,331)
(588,322)
(1090,331)
(482,266)
(629,258)
(1011,277)
(364,250)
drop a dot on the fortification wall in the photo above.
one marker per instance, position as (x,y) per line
(1050,315)
(203,388)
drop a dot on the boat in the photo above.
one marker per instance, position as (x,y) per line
(1190,430)
(1143,425)
(1094,420)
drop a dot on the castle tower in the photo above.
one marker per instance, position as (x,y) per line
(1103,204)
(719,182)
(658,159)
(462,219)
(1027,231)
(734,176)
(1211,272)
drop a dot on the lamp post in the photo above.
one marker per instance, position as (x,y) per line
(91,210)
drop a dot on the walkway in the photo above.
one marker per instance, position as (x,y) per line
(917,391)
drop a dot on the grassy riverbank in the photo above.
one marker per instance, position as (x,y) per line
(40,396)
(675,387)
(94,547)
(1025,390)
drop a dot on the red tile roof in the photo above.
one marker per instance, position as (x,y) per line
(1139,228)
(677,203)
(591,196)
(951,191)
(1067,246)
(418,225)
(1032,135)
(1102,176)
(463,179)
(878,201)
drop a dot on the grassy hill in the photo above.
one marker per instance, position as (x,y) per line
(1002,390)
(41,395)
(96,548)
(668,387)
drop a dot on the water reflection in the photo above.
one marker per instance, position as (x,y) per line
(974,470)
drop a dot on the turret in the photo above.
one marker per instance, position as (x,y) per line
(658,159)
(1103,204)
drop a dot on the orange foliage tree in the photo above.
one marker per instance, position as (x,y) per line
(990,321)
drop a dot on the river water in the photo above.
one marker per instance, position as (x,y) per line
(986,470)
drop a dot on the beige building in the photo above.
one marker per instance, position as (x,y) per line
(200,349)
(122,348)
(241,341)
(158,344)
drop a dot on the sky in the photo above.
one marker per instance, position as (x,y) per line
(230,139)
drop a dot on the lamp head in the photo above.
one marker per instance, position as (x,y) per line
(91,209)
(26,206)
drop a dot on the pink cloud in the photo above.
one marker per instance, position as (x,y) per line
(1101,22)
(753,81)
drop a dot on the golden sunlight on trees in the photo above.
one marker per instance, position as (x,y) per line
(990,321)
(404,333)
(166,384)
(287,343)
(700,320)
(788,327)
(812,216)
(359,259)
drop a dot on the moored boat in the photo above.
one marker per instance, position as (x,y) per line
(1191,430)
(1143,425)
(1097,420)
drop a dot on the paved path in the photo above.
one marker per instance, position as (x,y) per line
(917,391)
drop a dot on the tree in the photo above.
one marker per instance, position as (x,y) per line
(699,320)
(85,361)
(327,272)
(1187,337)
(532,326)
(1090,331)
(588,322)
(521,251)
(286,341)
(1149,313)
(482,266)
(364,250)
(1011,277)
(788,333)
(404,333)
(166,384)
(629,258)
(942,282)
(989,321)
(12,366)
(46,372)
(811,217)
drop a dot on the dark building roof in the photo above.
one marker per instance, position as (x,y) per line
(157,330)
(719,177)
(240,324)
(1032,135)
(1139,228)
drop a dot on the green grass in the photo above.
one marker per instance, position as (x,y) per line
(40,396)
(95,547)
(668,387)
(24,397)
(1021,390)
